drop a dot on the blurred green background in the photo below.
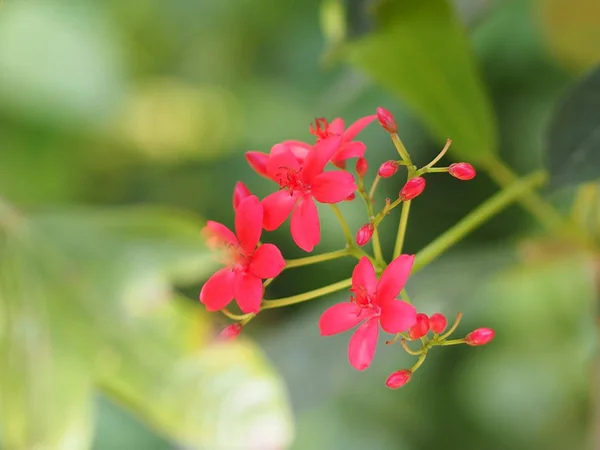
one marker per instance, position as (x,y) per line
(123,126)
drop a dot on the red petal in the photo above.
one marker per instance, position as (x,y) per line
(333,187)
(363,276)
(240,192)
(276,207)
(305,225)
(267,261)
(394,277)
(357,127)
(349,150)
(319,156)
(363,344)
(248,222)
(248,292)
(336,126)
(339,318)
(217,292)
(281,160)
(299,149)
(397,316)
(217,235)
(258,161)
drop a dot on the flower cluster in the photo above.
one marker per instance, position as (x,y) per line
(378,296)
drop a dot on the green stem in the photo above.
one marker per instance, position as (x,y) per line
(452,342)
(478,216)
(400,148)
(376,242)
(299,262)
(402,228)
(420,360)
(344,224)
(372,190)
(440,155)
(320,292)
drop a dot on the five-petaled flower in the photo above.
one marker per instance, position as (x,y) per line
(246,265)
(301,184)
(373,303)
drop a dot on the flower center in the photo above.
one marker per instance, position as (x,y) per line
(320,129)
(365,301)
(233,255)
(290,179)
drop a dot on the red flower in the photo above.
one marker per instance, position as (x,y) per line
(302,184)
(240,192)
(412,188)
(398,379)
(258,160)
(438,323)
(462,171)
(373,303)
(480,336)
(348,148)
(246,264)
(420,328)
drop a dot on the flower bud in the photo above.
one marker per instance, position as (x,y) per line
(240,192)
(462,171)
(398,379)
(361,167)
(437,323)
(387,169)
(230,332)
(364,234)
(412,188)
(386,120)
(419,329)
(350,197)
(480,336)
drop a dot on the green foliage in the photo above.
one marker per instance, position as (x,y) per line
(573,136)
(419,52)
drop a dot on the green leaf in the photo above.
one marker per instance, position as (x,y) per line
(573,137)
(419,52)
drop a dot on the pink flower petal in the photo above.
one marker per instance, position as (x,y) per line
(248,292)
(319,156)
(276,207)
(281,162)
(218,235)
(349,150)
(339,318)
(248,222)
(267,262)
(394,277)
(333,187)
(364,277)
(305,225)
(240,192)
(337,126)
(299,149)
(217,292)
(357,127)
(363,344)
(258,161)
(397,316)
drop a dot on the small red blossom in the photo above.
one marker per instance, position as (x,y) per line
(420,328)
(413,188)
(387,169)
(301,184)
(240,192)
(480,336)
(348,148)
(462,171)
(230,332)
(438,323)
(364,234)
(374,303)
(258,160)
(386,120)
(362,166)
(246,265)
(398,379)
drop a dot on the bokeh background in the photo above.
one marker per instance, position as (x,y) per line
(123,126)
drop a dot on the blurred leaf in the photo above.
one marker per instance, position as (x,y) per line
(572,30)
(419,52)
(573,136)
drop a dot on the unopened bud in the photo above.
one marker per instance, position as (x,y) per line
(386,120)
(412,188)
(398,379)
(231,332)
(437,323)
(420,328)
(387,169)
(350,197)
(240,192)
(480,336)
(362,166)
(364,234)
(462,171)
